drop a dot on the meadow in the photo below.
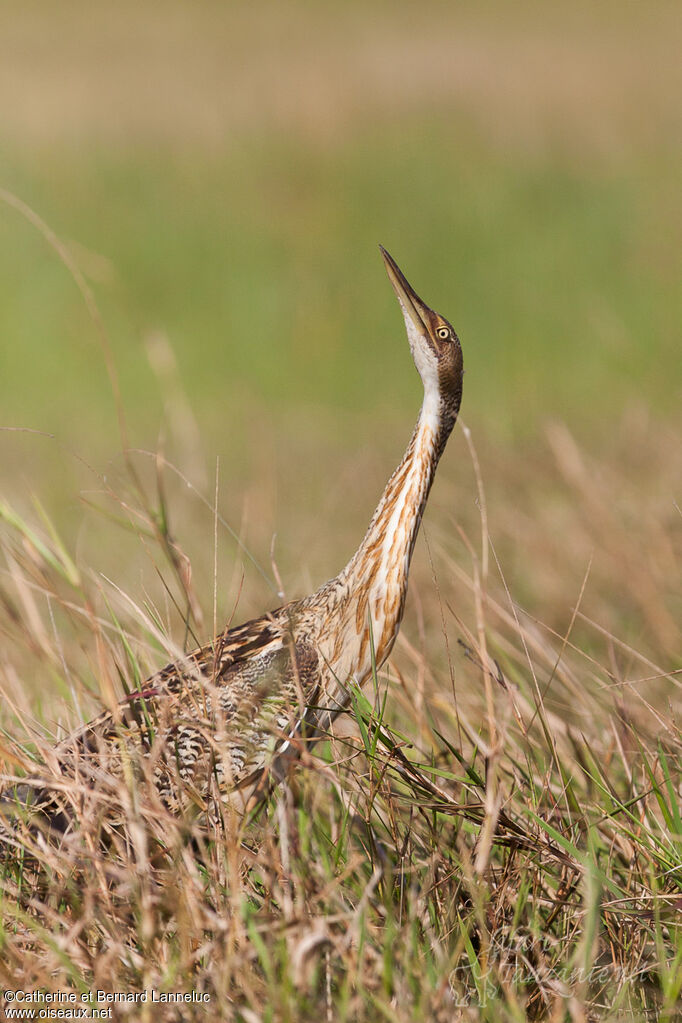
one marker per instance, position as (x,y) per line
(204,386)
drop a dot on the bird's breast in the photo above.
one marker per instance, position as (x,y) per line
(362,631)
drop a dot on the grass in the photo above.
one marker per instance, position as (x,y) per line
(493,832)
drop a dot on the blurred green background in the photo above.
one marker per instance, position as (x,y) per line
(223,172)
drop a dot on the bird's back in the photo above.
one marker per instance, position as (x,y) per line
(206,729)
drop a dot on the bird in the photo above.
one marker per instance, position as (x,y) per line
(222,725)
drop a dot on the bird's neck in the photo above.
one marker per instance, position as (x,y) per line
(380,567)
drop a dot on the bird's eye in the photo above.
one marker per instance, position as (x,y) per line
(443,333)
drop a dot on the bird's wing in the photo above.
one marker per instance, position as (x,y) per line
(210,724)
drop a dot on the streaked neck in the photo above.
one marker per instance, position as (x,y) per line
(386,549)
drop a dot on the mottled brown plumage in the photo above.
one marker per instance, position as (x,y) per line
(221,724)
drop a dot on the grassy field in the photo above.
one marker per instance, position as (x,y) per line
(495,831)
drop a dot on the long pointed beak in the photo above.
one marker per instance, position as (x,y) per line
(410,302)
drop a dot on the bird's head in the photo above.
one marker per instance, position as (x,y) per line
(435,346)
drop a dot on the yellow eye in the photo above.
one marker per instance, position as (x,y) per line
(443,333)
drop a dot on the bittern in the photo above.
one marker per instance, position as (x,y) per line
(221,724)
